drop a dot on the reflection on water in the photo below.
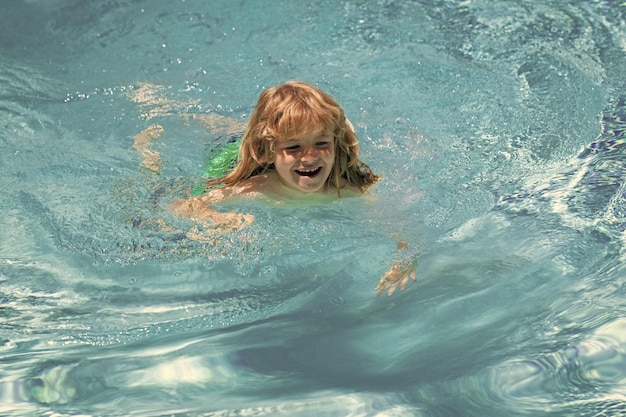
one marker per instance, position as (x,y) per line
(498,129)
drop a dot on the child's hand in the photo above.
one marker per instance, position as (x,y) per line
(398,275)
(209,222)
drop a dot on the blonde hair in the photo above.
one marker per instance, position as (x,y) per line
(289,111)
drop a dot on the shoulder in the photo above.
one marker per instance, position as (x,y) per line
(252,187)
(256,186)
(349,190)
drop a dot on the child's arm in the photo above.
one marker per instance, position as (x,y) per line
(210,221)
(398,275)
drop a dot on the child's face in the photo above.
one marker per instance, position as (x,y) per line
(304,163)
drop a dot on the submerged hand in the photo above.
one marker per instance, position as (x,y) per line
(209,222)
(398,275)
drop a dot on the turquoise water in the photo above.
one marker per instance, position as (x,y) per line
(498,128)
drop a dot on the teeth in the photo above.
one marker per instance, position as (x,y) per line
(308,172)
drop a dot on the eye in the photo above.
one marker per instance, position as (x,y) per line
(292,148)
(323,144)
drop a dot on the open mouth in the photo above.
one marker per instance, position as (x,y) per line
(308,172)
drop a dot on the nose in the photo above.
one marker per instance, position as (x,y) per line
(309,153)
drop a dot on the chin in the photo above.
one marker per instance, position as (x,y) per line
(310,190)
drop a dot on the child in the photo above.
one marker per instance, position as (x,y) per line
(298,146)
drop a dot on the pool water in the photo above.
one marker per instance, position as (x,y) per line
(498,129)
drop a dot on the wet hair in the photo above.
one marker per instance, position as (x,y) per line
(289,111)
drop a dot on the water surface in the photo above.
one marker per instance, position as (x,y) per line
(498,130)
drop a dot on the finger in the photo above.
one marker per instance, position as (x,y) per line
(392,289)
(413,276)
(405,281)
(382,284)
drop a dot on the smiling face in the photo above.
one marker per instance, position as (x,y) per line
(304,163)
